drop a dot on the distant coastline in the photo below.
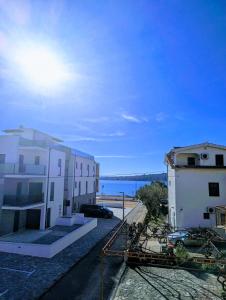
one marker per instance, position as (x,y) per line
(145,177)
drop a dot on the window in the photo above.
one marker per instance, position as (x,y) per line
(93,171)
(206,216)
(59,165)
(214,189)
(75,184)
(81,168)
(88,170)
(52,191)
(94,187)
(76,165)
(219,160)
(79,188)
(191,161)
(2,158)
(37,160)
(86,187)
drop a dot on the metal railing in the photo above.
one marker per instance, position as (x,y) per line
(25,169)
(22,200)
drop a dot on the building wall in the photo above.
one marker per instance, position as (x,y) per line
(171,196)
(55,176)
(9,146)
(30,154)
(179,160)
(192,196)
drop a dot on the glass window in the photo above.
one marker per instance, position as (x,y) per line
(52,191)
(2,158)
(206,216)
(219,160)
(214,189)
(79,188)
(37,160)
(191,161)
(59,165)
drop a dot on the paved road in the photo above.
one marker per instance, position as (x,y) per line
(82,282)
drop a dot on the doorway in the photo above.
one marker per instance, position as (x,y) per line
(16,221)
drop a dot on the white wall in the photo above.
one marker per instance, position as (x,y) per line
(171,196)
(203,162)
(30,154)
(192,195)
(56,205)
(9,146)
(90,179)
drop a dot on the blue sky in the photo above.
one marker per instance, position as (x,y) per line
(147,76)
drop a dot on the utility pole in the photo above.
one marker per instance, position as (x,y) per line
(123,205)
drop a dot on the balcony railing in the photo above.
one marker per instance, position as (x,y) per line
(23,200)
(25,169)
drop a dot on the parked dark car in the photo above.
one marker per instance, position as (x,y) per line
(96,211)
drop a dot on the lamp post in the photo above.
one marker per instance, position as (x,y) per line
(123,205)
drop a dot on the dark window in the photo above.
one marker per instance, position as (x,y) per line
(79,188)
(52,191)
(219,160)
(75,184)
(214,189)
(2,158)
(81,168)
(59,165)
(88,170)
(19,189)
(191,161)
(206,216)
(37,160)
(86,187)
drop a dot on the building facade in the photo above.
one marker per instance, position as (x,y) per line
(197,185)
(36,171)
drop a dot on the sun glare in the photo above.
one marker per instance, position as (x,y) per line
(41,67)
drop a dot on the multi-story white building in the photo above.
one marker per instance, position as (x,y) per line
(197,185)
(39,178)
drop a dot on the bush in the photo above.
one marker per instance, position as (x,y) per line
(151,195)
(181,254)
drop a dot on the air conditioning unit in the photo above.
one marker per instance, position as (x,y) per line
(211,210)
(204,155)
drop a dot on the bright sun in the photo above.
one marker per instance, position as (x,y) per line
(41,67)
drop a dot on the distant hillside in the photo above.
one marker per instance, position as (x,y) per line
(148,177)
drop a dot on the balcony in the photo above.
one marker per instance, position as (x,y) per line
(25,169)
(23,200)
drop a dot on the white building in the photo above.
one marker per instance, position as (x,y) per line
(34,189)
(197,185)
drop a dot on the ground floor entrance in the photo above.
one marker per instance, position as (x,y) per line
(33,218)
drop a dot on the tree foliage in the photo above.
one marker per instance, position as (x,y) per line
(152,195)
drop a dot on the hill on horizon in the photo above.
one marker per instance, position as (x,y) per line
(145,177)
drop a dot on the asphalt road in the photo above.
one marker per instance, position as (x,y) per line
(83,281)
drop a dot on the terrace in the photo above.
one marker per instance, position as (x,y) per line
(45,243)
